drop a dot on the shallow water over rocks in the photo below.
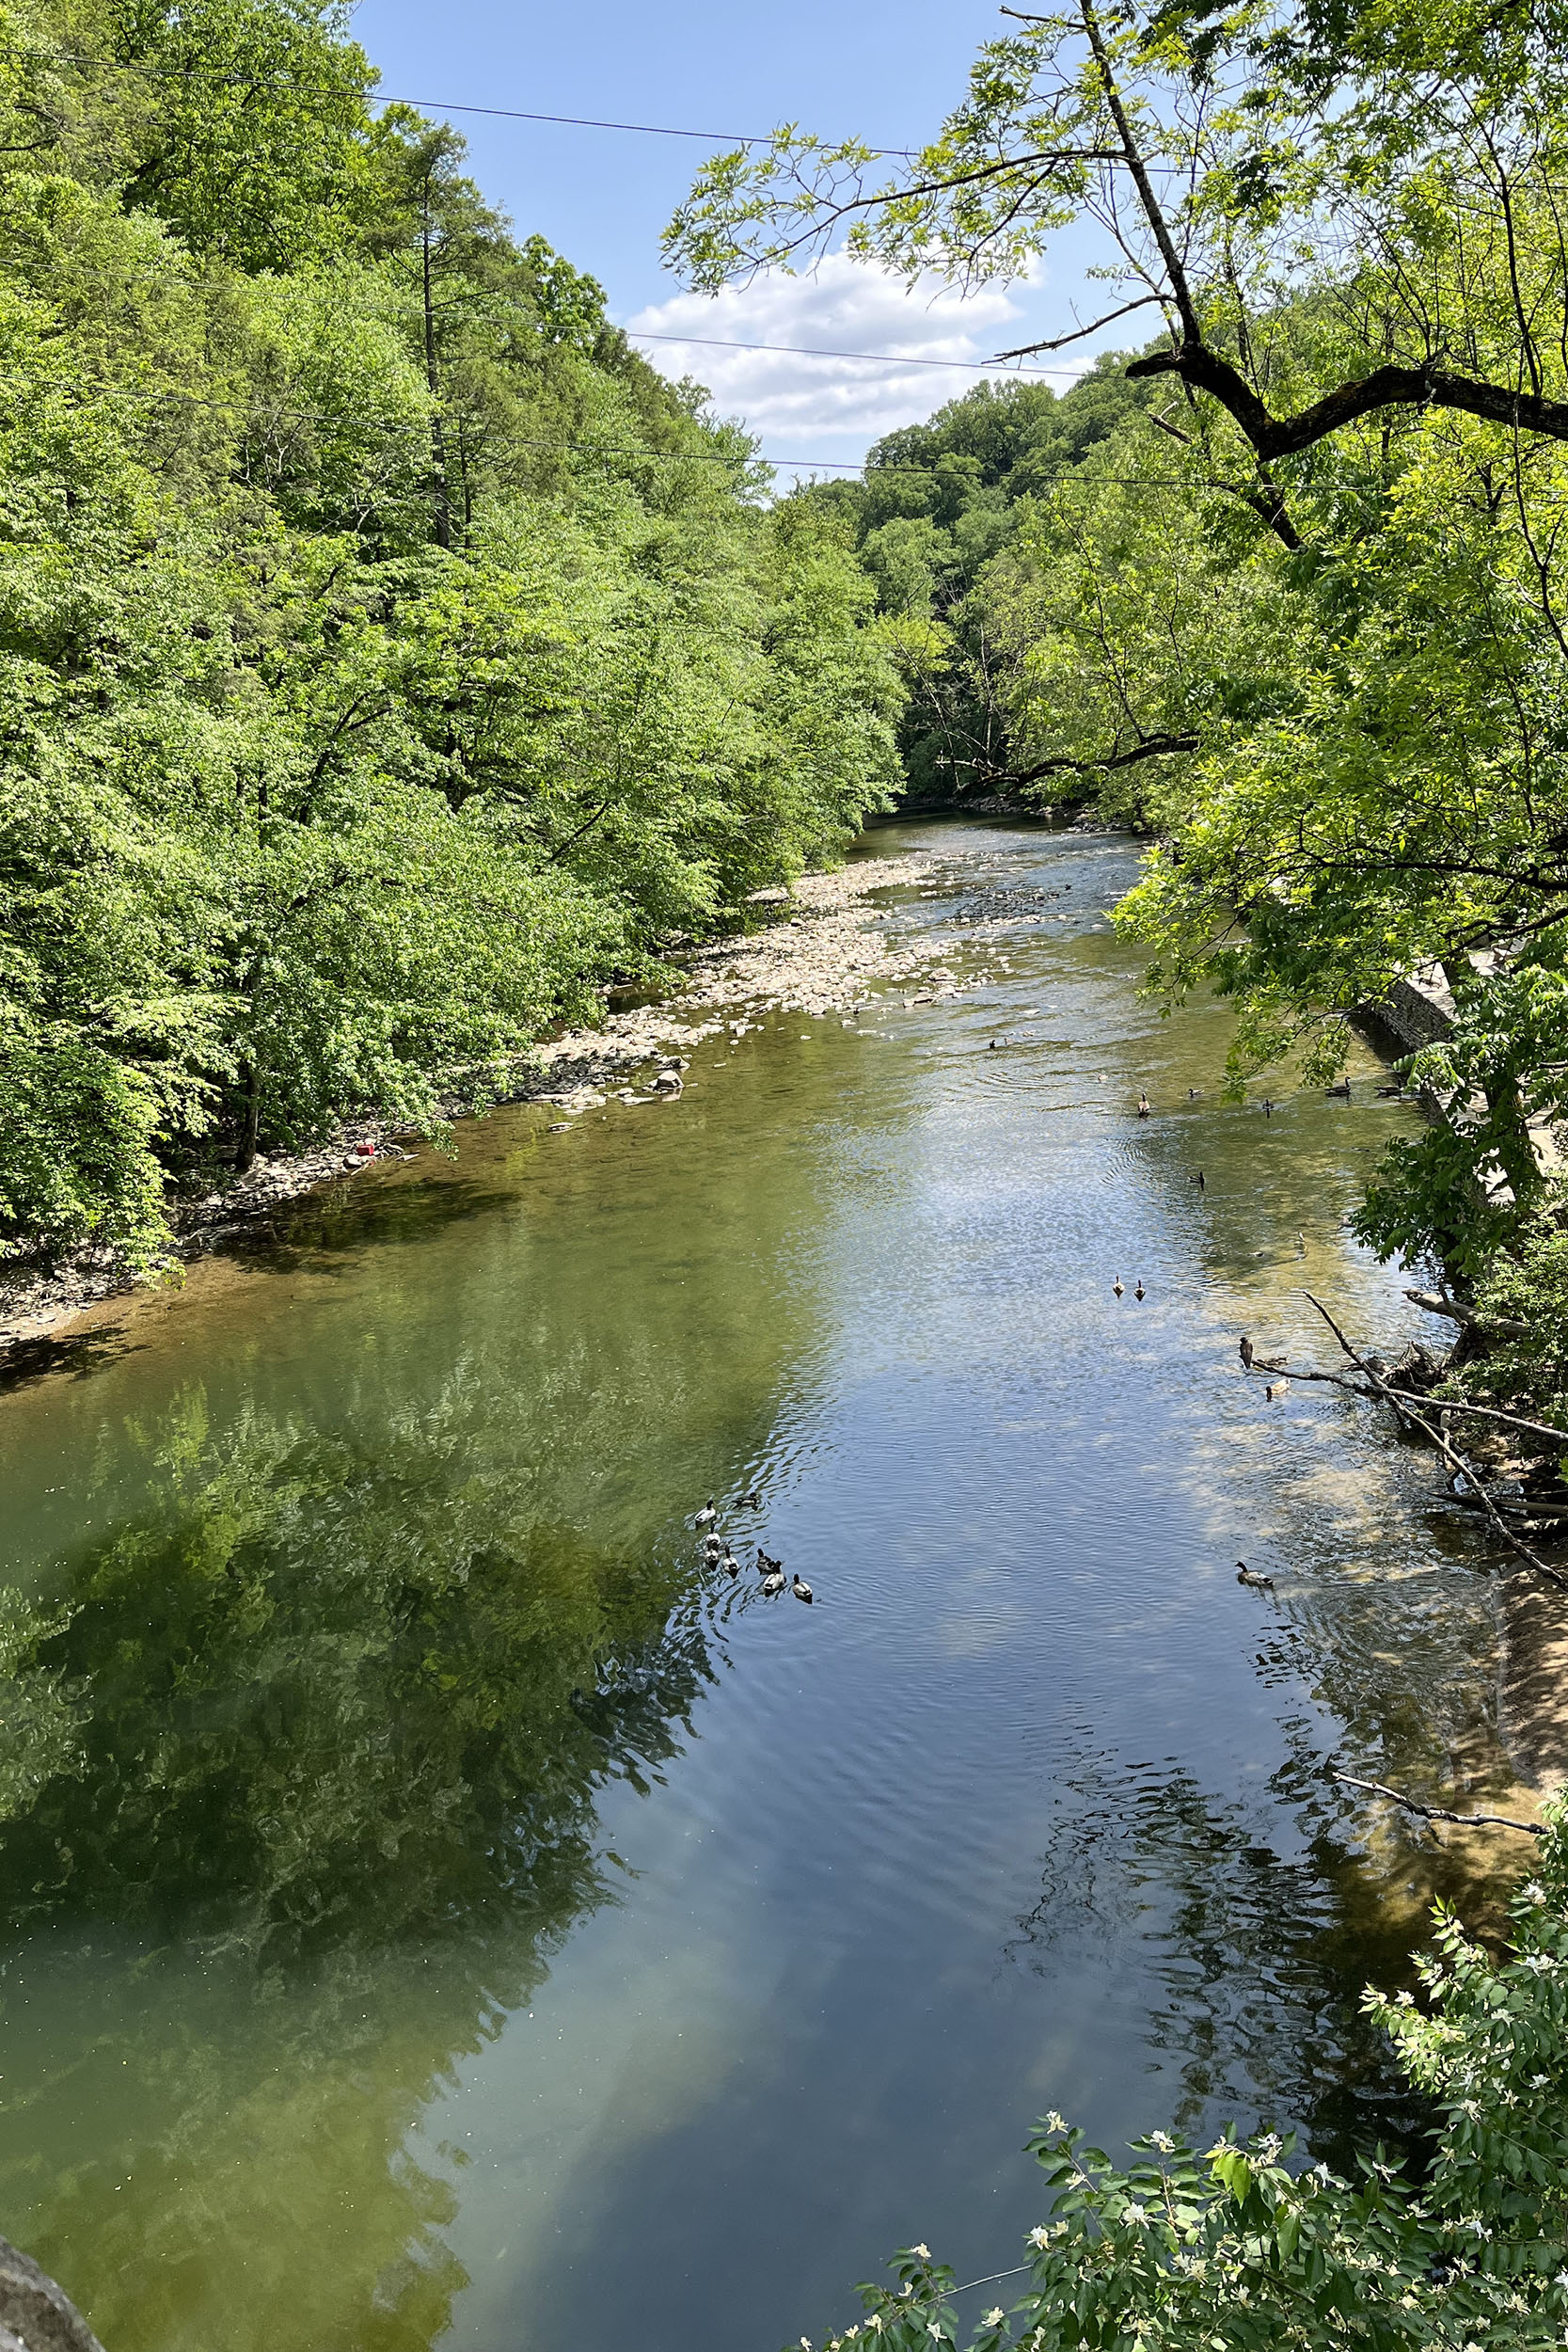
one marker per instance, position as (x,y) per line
(441,1908)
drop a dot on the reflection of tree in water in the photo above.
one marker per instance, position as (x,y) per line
(1257,1935)
(314,1743)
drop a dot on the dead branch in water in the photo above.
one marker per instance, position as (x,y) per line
(1456,1461)
(1440,1813)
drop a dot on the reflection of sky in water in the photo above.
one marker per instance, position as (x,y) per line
(1028,1810)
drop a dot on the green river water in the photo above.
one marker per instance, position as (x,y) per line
(438,1910)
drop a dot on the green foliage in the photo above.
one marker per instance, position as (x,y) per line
(387,657)
(1240,2247)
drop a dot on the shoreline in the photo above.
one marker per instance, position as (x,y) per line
(820,958)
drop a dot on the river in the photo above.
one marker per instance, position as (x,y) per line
(438,1909)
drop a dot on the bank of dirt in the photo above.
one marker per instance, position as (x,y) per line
(820,956)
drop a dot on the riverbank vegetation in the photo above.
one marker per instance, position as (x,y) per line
(388,657)
(1295,601)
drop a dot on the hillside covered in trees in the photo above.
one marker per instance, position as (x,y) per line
(388,657)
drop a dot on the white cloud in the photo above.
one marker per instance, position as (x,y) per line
(813,407)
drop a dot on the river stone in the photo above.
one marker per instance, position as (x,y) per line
(36,2316)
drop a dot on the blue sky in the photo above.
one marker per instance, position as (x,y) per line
(886,73)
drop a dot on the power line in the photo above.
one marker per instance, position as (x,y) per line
(443,105)
(816,351)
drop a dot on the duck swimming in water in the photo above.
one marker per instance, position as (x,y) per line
(1116,1286)
(800,1589)
(706,1516)
(1246,1576)
(1139,1292)
(772,1582)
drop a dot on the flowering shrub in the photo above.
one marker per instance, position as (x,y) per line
(1243,2248)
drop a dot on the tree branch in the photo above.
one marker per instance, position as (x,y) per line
(1390,387)
(1440,1813)
(1152,747)
(1060,342)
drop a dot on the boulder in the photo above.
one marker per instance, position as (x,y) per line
(36,2316)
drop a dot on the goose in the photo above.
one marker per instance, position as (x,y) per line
(1342,1090)
(800,1589)
(772,1582)
(1197,1180)
(1248,1575)
(1245,1353)
(1145,1107)
(706,1516)
(1116,1286)
(1139,1292)
(1268,1107)
(1388,1095)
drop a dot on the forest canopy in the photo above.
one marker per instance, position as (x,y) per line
(1298,608)
(388,656)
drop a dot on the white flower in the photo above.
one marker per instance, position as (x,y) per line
(1321,2172)
(1561,2278)
(874,2324)
(1539,2082)
(923,2251)
(1039,2234)
(1270,2146)
(1054,2123)
(933,2328)
(994,2319)
(1164,2141)
(1533,1892)
(1404,2000)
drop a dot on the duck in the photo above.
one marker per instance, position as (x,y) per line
(1342,1090)
(1193,1093)
(772,1582)
(1197,1180)
(751,1501)
(1248,1575)
(1268,1107)
(1389,1094)
(706,1516)
(730,1565)
(766,1559)
(800,1589)
(1276,1388)
(1139,1292)
(1116,1286)
(1245,1351)
(1145,1107)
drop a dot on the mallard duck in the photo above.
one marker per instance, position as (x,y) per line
(1246,1576)
(749,1502)
(706,1516)
(800,1589)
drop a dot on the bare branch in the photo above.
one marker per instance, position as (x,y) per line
(1440,1813)
(1060,342)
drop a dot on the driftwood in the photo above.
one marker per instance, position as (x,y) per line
(1505,1326)
(1440,1813)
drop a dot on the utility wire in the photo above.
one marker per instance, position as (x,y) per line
(443,105)
(808,351)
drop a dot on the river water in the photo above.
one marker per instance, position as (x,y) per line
(437,1909)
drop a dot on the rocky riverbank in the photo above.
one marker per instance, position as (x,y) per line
(820,955)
